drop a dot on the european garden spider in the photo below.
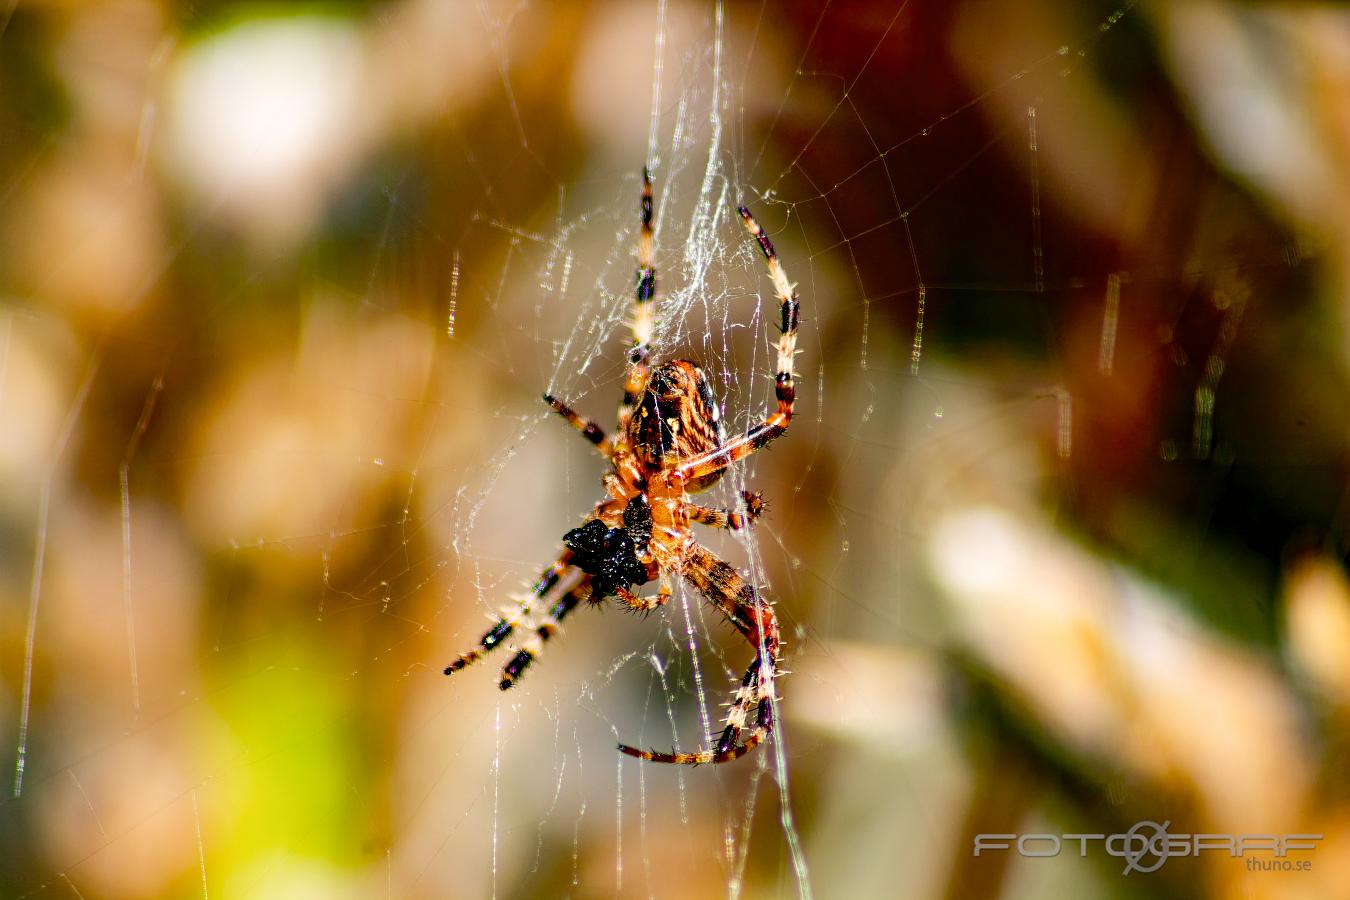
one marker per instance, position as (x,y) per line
(670,443)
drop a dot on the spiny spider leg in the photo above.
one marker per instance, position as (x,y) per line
(589,430)
(642,308)
(546,629)
(502,630)
(646,604)
(777,422)
(752,704)
(732,519)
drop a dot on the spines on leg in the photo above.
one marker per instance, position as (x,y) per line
(587,428)
(734,519)
(646,273)
(789,318)
(785,389)
(644,295)
(533,648)
(504,627)
(750,718)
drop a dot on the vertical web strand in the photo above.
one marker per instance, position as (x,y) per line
(916,348)
(1106,353)
(1037,248)
(658,64)
(124,485)
(39,562)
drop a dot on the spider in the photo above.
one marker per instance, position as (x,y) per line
(670,443)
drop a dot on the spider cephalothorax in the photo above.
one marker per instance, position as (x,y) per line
(676,418)
(670,443)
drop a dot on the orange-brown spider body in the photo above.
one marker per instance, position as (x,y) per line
(670,443)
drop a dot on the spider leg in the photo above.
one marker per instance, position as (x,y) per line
(646,604)
(502,630)
(777,422)
(642,307)
(546,629)
(728,518)
(589,430)
(752,704)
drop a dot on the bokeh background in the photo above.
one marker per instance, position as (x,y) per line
(1058,536)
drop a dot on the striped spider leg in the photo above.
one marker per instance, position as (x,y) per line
(499,633)
(776,424)
(639,370)
(720,583)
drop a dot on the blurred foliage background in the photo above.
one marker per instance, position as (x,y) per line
(1058,536)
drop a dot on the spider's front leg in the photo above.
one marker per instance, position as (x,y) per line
(498,634)
(643,320)
(752,704)
(784,390)
(546,629)
(588,429)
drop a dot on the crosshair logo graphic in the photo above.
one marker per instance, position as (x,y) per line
(1155,846)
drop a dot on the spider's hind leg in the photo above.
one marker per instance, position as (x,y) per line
(750,719)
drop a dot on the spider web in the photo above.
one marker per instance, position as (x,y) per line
(294,461)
